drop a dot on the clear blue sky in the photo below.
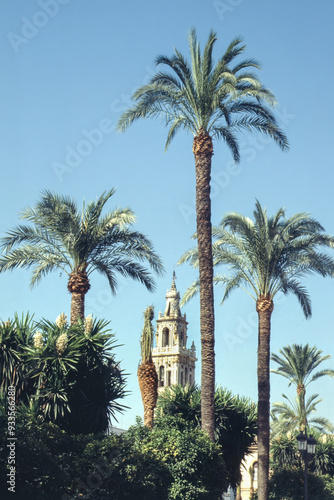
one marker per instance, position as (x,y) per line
(70,67)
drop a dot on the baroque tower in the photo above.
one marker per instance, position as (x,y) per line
(175,364)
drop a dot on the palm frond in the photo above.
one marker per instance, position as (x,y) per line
(191,291)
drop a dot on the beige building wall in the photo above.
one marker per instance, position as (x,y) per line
(249,474)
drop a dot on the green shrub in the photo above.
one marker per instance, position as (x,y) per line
(173,461)
(289,485)
(195,464)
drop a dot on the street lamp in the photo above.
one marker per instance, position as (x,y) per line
(306,447)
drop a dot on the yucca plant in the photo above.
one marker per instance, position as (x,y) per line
(147,374)
(52,362)
(284,451)
(323,461)
(178,400)
(15,336)
(99,381)
(77,382)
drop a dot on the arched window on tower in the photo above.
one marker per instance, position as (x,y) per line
(161,376)
(186,375)
(165,337)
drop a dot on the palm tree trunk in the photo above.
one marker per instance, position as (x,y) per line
(148,384)
(78,285)
(264,308)
(203,151)
(301,391)
(77,307)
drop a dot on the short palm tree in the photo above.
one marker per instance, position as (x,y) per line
(147,373)
(78,242)
(212,101)
(297,363)
(267,256)
(289,416)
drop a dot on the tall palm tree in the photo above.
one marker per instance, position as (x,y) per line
(212,101)
(147,373)
(297,363)
(267,256)
(78,242)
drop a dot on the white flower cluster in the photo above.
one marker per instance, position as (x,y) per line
(61,321)
(61,343)
(38,340)
(88,324)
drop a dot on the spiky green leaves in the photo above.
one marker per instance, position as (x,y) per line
(268,255)
(298,363)
(63,237)
(291,415)
(219,99)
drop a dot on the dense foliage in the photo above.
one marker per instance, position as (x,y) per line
(63,374)
(235,421)
(173,461)
(289,485)
(285,455)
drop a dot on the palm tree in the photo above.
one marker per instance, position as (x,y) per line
(147,373)
(212,102)
(267,256)
(78,242)
(289,416)
(297,363)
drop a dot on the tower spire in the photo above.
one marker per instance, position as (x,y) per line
(172,300)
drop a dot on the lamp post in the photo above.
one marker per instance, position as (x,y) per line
(306,447)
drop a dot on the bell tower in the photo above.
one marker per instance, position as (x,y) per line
(175,364)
